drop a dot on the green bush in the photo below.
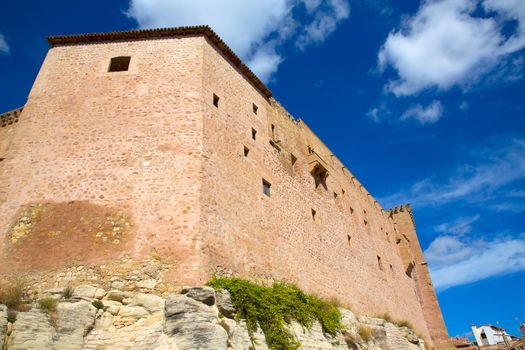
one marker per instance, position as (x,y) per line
(273,307)
(98,304)
(11,316)
(47,304)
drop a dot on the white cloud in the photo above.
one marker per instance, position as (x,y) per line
(455,261)
(254,29)
(425,115)
(446,44)
(378,114)
(478,183)
(459,227)
(4,46)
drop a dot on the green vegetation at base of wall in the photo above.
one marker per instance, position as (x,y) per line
(272,308)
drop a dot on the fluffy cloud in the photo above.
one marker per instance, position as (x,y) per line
(455,261)
(459,227)
(255,30)
(483,182)
(4,46)
(425,115)
(448,43)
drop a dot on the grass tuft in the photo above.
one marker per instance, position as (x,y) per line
(47,305)
(67,293)
(11,293)
(98,304)
(365,333)
(272,308)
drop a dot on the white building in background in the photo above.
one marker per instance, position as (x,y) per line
(490,335)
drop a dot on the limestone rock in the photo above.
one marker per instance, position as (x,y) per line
(146,284)
(118,295)
(193,324)
(224,303)
(150,302)
(3,323)
(89,292)
(240,338)
(205,294)
(112,306)
(32,331)
(133,312)
(73,322)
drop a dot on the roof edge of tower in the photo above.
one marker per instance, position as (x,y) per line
(166,32)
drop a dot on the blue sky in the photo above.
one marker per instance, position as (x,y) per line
(424,102)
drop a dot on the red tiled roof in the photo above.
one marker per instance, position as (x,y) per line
(166,32)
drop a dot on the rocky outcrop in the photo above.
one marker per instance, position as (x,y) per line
(197,318)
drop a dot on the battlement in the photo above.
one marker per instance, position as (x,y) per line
(10,117)
(161,143)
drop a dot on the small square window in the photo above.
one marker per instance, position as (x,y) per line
(246,151)
(119,64)
(266,187)
(216,100)
(254,133)
(255,108)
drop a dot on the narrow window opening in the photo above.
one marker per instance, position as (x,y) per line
(366,222)
(255,108)
(349,238)
(335,195)
(314,215)
(254,133)
(379,263)
(343,192)
(351,210)
(119,64)
(216,100)
(266,187)
(410,269)
(391,268)
(293,159)
(364,211)
(310,150)
(273,131)
(246,151)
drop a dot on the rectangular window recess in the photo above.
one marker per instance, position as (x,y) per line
(266,187)
(349,240)
(254,133)
(314,215)
(246,151)
(255,108)
(216,100)
(119,64)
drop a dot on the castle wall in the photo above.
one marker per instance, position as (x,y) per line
(126,142)
(146,153)
(402,216)
(276,238)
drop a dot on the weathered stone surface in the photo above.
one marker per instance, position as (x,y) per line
(224,303)
(87,291)
(32,331)
(150,302)
(3,323)
(118,295)
(112,306)
(147,284)
(73,322)
(240,338)
(134,312)
(205,294)
(193,324)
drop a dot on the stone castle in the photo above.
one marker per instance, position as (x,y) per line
(156,158)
